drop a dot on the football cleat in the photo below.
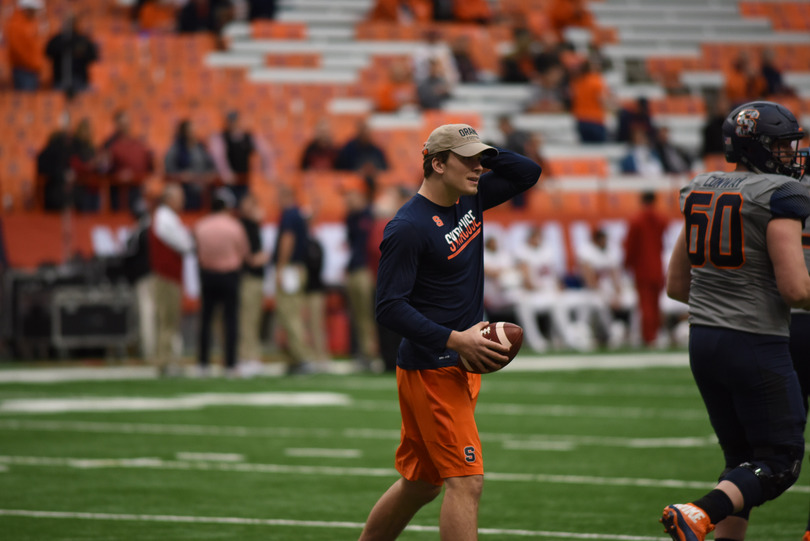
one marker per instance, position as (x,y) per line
(806,536)
(686,522)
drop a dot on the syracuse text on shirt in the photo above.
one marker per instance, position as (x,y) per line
(467,229)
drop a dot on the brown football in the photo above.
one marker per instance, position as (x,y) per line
(501,332)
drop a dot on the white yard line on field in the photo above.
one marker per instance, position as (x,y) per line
(316,399)
(211,457)
(181,402)
(513,441)
(323,453)
(154,463)
(523,363)
(301,524)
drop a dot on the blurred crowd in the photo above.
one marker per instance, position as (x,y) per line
(72,170)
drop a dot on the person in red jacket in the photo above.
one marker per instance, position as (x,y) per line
(25,47)
(642,256)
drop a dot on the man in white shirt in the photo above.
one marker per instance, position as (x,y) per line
(612,294)
(169,241)
(540,294)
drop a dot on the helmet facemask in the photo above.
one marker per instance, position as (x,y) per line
(781,158)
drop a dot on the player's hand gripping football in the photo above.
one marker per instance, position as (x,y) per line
(481,353)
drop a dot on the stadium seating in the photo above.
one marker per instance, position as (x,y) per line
(322,57)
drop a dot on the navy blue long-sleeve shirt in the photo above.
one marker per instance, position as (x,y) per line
(431,274)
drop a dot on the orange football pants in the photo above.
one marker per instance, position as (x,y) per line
(439,435)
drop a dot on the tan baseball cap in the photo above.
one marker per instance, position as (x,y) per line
(460,138)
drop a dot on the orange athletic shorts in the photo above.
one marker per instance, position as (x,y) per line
(439,435)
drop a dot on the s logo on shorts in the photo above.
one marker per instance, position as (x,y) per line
(469,454)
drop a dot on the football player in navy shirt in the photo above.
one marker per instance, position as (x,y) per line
(738,263)
(430,290)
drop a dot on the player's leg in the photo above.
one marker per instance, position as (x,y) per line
(395,509)
(757,373)
(459,514)
(694,520)
(800,354)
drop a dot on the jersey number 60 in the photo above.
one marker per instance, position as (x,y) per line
(720,221)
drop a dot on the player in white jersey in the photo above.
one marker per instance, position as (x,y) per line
(739,265)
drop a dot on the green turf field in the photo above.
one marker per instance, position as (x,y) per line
(570,454)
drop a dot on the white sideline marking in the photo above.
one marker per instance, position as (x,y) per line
(301,523)
(296,399)
(160,464)
(183,402)
(211,457)
(323,453)
(540,445)
(517,440)
(522,363)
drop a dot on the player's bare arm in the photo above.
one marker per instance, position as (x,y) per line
(785,250)
(477,350)
(679,273)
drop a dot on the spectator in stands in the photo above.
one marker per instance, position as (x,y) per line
(362,155)
(25,51)
(546,50)
(139,274)
(564,14)
(71,52)
(443,10)
(315,310)
(321,152)
(590,102)
(643,248)
(188,163)
(632,116)
(54,173)
(641,157)
(550,90)
(290,260)
(712,131)
(539,295)
(606,283)
(744,81)
(518,65)
(468,70)
(169,242)
(87,164)
(205,15)
(360,283)
(251,298)
(385,207)
(675,159)
(232,151)
(434,90)
(774,82)
(129,162)
(396,92)
(501,280)
(434,48)
(523,142)
(222,249)
(261,9)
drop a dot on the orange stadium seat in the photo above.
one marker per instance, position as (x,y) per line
(579,167)
(267,29)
